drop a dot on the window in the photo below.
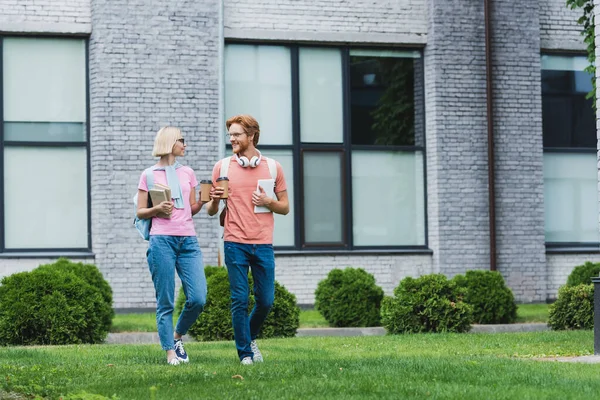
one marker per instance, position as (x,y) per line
(347,125)
(44,145)
(570,171)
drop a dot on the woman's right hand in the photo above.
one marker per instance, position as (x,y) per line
(165,207)
(216,192)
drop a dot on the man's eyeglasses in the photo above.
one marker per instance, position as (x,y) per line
(234,135)
(182,140)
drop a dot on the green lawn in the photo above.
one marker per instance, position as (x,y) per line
(146,322)
(532,313)
(442,366)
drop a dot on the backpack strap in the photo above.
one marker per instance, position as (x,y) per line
(149,178)
(225,166)
(272,168)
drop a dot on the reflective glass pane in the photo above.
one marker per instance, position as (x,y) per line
(568,117)
(45,204)
(382,96)
(258,82)
(321,96)
(571,197)
(45,131)
(284,224)
(323,208)
(388,198)
(44,80)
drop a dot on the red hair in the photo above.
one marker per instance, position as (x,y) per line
(249,124)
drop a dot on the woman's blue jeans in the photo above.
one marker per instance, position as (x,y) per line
(167,254)
(261,260)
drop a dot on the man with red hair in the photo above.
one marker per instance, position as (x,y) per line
(248,232)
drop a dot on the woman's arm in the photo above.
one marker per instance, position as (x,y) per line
(195,205)
(143,212)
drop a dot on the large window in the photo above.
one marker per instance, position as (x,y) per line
(570,170)
(44,145)
(347,125)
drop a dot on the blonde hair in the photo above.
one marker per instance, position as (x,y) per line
(165,140)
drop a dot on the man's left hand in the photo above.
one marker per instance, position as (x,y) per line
(259,198)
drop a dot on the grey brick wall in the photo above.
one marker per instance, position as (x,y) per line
(558,26)
(385,21)
(151,63)
(22,264)
(519,148)
(301,274)
(45,16)
(456,136)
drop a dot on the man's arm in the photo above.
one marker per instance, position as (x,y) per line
(212,207)
(281,205)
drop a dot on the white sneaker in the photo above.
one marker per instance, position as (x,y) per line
(257,355)
(246,361)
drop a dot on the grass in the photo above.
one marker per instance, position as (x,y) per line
(532,313)
(146,322)
(442,366)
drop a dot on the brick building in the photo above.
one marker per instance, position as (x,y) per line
(377,110)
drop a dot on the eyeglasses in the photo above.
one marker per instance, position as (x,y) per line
(182,140)
(234,135)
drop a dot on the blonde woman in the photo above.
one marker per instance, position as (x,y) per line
(173,245)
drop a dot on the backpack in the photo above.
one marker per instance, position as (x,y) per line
(223,172)
(143,225)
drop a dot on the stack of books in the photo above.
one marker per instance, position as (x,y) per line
(158,194)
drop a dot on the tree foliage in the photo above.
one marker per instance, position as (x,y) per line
(589,31)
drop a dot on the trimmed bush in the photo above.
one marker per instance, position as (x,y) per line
(92,275)
(51,306)
(574,308)
(493,302)
(349,298)
(583,274)
(431,303)
(215,321)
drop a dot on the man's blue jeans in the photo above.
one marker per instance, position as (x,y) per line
(260,257)
(167,254)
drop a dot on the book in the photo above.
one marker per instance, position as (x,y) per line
(268,186)
(158,194)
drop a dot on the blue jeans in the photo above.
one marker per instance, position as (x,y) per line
(166,254)
(260,257)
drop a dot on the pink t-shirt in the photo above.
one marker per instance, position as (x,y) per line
(180,223)
(242,225)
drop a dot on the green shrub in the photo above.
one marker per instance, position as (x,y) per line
(51,306)
(574,308)
(493,302)
(431,303)
(214,323)
(92,275)
(349,298)
(583,274)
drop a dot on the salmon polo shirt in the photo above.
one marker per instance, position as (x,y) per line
(180,223)
(242,225)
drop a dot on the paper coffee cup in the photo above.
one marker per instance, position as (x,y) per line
(205,186)
(224,183)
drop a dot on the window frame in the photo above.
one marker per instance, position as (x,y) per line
(566,247)
(86,144)
(345,147)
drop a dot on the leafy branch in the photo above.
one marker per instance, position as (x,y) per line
(587,20)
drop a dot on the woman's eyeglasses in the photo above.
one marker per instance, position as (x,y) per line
(182,140)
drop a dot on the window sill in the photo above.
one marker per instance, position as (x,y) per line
(569,248)
(48,254)
(365,252)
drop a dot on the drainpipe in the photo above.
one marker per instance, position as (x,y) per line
(490,135)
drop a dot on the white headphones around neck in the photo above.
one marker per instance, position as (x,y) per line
(252,163)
